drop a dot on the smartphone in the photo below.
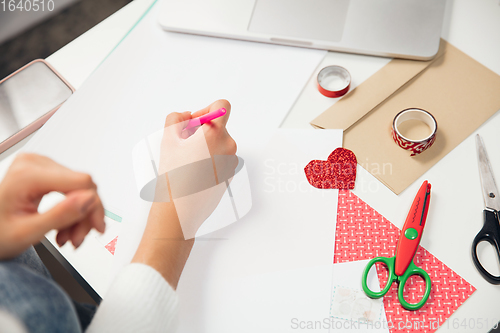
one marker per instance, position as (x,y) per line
(28,98)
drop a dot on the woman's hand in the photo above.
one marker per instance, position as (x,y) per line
(196,167)
(168,237)
(28,179)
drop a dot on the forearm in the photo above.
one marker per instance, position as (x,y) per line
(163,246)
(139,300)
(166,244)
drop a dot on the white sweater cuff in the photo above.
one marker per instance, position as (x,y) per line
(140,300)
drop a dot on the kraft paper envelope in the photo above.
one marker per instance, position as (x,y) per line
(460,93)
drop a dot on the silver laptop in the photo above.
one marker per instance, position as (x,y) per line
(408,29)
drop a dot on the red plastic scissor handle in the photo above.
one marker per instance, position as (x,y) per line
(412,230)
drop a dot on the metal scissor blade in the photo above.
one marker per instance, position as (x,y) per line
(490,191)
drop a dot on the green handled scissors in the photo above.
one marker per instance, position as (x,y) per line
(401,266)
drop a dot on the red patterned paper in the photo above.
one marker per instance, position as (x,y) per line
(362,233)
(111,246)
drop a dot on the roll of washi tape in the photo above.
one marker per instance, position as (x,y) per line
(415,145)
(334,81)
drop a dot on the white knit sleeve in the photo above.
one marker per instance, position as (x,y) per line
(140,300)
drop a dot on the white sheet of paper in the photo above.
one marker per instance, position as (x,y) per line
(297,300)
(93,247)
(279,301)
(234,281)
(151,74)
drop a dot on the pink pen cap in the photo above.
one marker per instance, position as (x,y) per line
(206,118)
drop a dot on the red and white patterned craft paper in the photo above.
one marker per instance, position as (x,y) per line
(362,233)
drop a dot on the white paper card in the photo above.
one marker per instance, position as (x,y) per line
(274,264)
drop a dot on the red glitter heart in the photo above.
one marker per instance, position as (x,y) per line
(339,171)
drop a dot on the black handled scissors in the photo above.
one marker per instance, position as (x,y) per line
(491,229)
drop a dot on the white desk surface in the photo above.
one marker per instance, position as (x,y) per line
(455,215)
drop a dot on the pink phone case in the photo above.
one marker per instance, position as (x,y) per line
(40,121)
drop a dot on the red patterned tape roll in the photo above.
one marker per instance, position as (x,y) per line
(415,146)
(334,81)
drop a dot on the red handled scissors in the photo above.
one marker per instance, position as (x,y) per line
(401,266)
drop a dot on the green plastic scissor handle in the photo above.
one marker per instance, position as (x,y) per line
(411,270)
(389,262)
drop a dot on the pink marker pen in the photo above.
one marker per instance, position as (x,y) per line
(206,118)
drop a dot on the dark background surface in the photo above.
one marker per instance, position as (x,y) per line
(49,36)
